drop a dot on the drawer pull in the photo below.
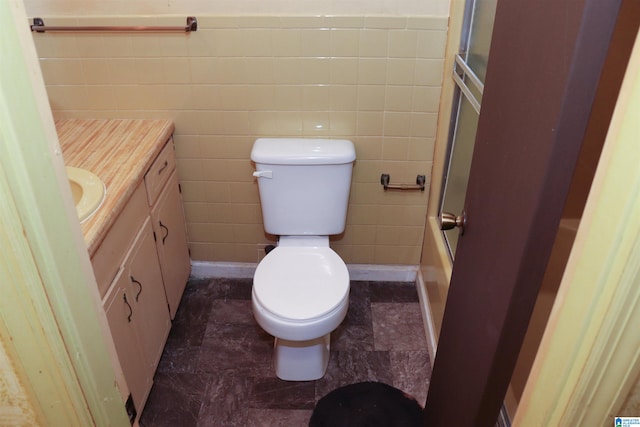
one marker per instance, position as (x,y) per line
(164,166)
(130,309)
(139,284)
(165,229)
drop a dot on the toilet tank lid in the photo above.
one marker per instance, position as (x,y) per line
(303,151)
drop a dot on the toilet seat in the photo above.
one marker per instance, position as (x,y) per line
(299,284)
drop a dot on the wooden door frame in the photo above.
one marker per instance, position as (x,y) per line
(52,340)
(546,60)
(589,357)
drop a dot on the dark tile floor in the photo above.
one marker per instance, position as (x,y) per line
(216,368)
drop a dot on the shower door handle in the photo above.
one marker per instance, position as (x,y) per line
(449,221)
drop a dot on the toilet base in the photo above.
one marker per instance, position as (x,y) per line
(301,360)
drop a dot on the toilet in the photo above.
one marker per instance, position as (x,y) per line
(301,288)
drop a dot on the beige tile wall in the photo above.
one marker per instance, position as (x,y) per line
(374,80)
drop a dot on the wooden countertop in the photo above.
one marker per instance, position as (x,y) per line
(117,151)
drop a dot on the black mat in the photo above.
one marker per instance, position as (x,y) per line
(367,404)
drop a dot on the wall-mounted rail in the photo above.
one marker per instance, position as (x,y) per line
(39,27)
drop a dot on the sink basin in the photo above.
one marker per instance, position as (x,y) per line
(88,191)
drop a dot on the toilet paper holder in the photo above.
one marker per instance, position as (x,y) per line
(419,185)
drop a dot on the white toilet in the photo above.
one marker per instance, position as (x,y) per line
(301,288)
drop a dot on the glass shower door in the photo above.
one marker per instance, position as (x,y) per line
(469,74)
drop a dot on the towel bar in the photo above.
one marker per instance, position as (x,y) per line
(39,27)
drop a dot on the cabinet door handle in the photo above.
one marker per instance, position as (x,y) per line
(164,166)
(165,229)
(139,284)
(130,309)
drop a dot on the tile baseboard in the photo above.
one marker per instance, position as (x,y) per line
(231,270)
(368,272)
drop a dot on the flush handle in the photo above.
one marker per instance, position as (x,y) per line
(263,174)
(449,221)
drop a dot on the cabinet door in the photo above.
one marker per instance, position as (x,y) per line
(149,303)
(171,242)
(120,316)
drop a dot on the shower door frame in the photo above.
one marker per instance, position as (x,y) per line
(461,72)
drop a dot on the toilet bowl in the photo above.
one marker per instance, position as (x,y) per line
(300,295)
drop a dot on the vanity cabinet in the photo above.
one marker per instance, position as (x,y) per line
(142,267)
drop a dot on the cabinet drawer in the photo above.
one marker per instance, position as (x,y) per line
(109,255)
(159,172)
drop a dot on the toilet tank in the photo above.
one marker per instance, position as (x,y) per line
(304,184)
